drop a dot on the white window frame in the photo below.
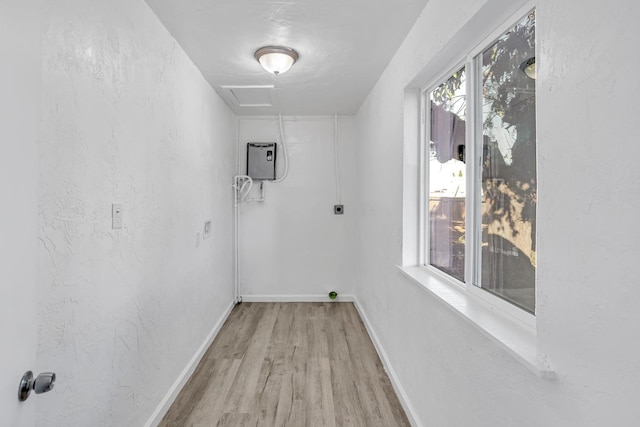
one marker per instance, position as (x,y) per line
(473,178)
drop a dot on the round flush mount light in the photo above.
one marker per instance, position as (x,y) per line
(529,67)
(276,59)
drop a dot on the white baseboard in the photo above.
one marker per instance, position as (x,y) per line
(296,298)
(184,376)
(402,395)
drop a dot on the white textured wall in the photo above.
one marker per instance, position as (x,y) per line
(127,118)
(292,243)
(588,317)
(589,243)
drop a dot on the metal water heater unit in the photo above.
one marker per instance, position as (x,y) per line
(261,160)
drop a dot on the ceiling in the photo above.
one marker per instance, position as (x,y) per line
(344,46)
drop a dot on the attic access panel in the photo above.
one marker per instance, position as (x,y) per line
(249,96)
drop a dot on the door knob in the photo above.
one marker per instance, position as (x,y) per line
(41,384)
(44,382)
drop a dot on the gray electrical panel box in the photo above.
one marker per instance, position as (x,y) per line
(261,160)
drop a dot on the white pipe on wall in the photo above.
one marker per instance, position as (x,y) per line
(335,155)
(236,225)
(284,151)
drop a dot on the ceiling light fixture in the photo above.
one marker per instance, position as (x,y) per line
(529,67)
(276,59)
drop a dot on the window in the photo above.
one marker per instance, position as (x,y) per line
(447,172)
(481,215)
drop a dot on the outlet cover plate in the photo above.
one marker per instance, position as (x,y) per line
(207,229)
(116,216)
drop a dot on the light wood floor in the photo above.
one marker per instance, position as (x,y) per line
(289,364)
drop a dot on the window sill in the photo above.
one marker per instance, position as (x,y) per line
(514,338)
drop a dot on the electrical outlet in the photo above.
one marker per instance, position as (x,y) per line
(206,232)
(338,209)
(116,216)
